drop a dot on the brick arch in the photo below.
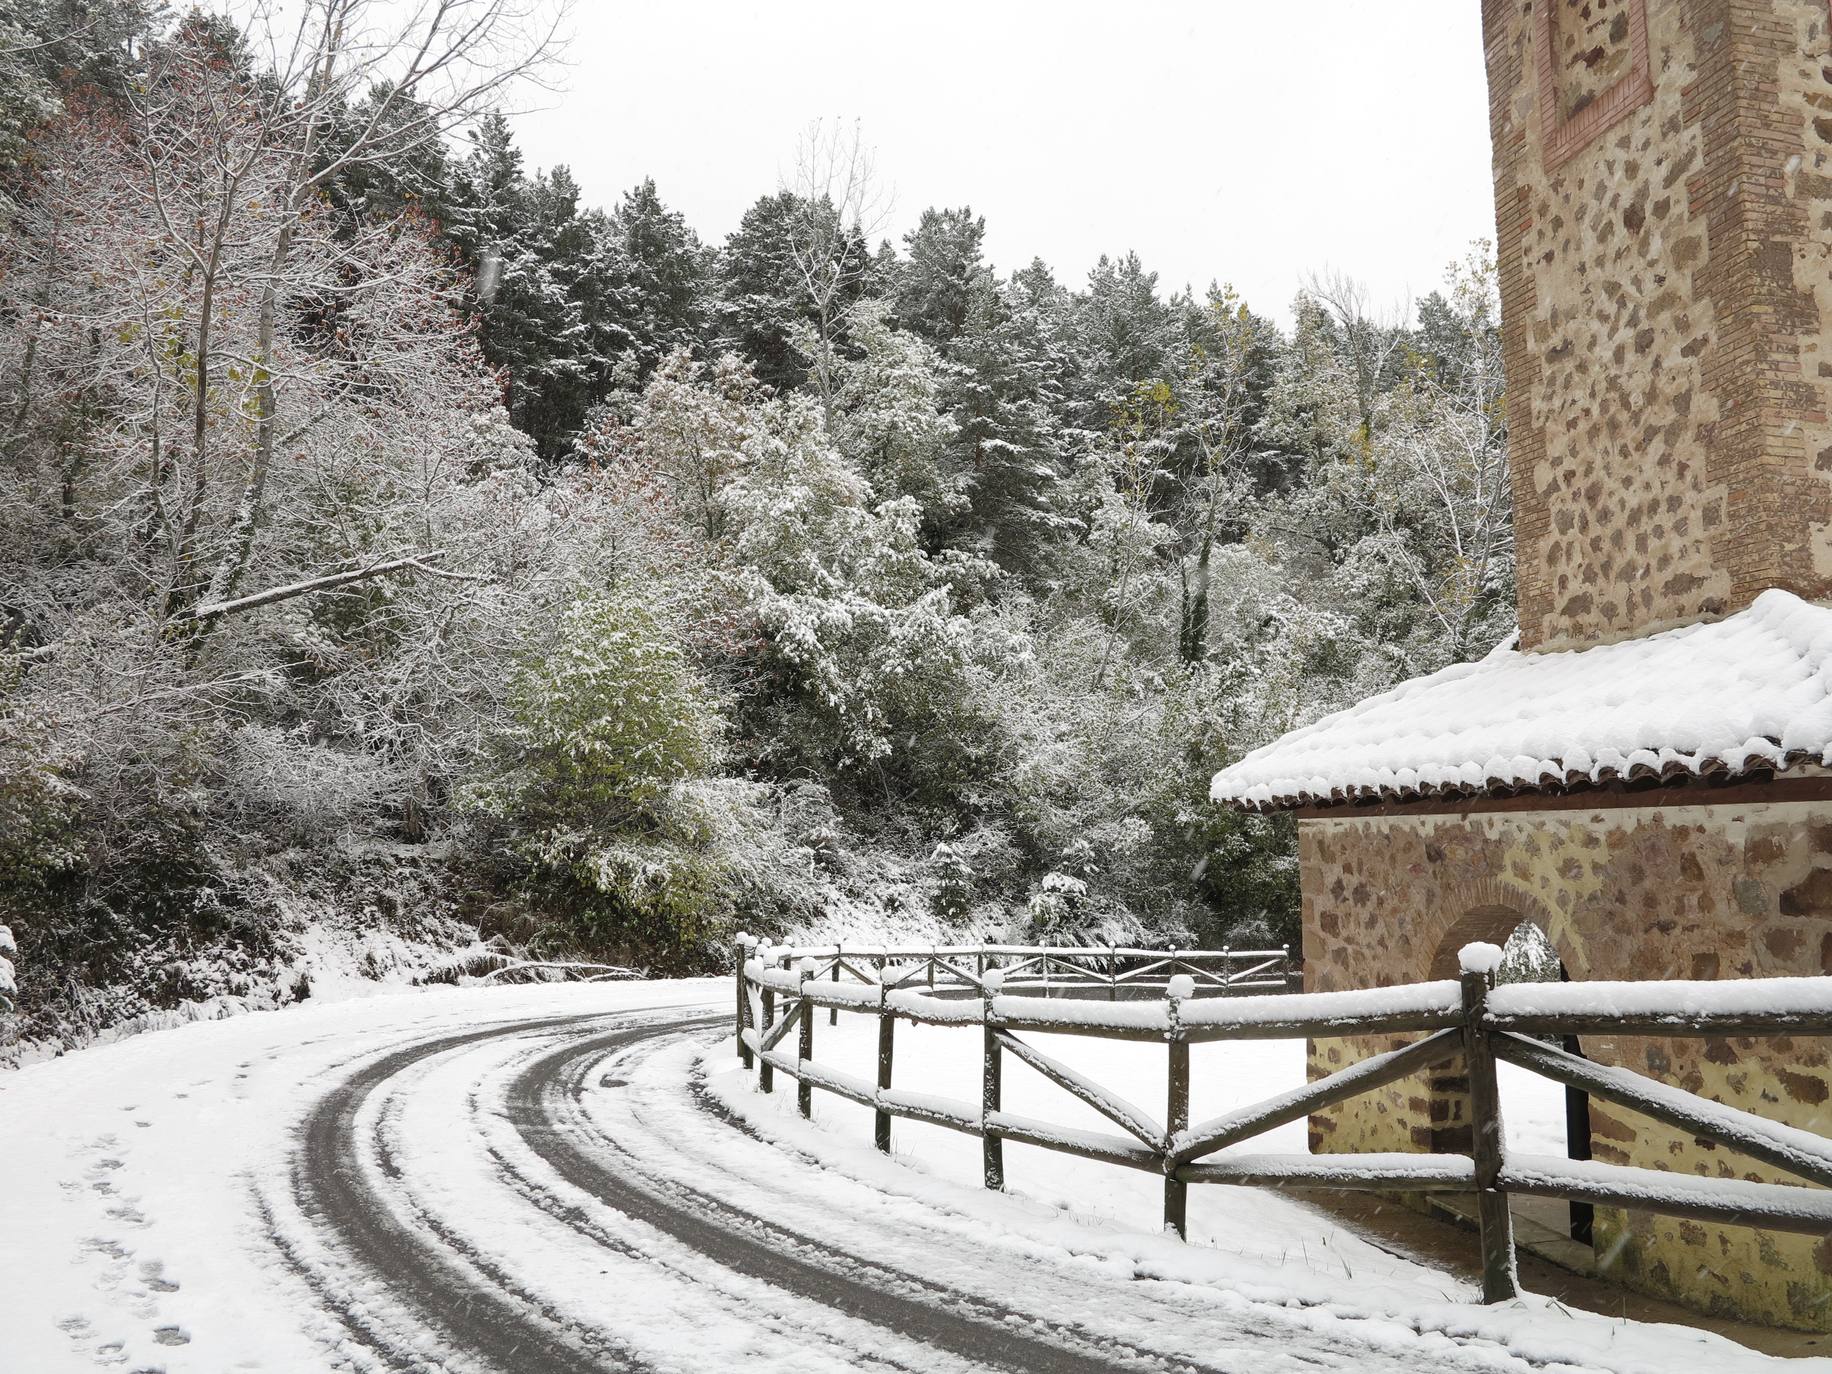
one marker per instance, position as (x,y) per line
(1488,912)
(1490,922)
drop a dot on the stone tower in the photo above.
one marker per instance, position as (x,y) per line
(1663,199)
(1657,797)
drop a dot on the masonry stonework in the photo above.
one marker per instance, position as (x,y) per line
(1663,191)
(1663,891)
(1663,204)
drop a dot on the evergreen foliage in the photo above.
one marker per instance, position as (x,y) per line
(631,584)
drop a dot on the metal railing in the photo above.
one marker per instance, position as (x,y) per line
(1466,1017)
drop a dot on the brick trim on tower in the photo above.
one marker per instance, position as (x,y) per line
(1560,137)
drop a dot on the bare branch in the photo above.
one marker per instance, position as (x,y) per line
(309,585)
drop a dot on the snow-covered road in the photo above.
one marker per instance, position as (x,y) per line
(572,1179)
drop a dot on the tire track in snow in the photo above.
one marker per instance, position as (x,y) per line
(762,1316)
(447,1298)
(1184,1313)
(499,1325)
(963,1324)
(507,1329)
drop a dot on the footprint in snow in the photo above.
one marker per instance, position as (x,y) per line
(153,1272)
(172,1335)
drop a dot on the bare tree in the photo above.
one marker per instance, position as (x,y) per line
(1372,337)
(1215,404)
(221,391)
(425,69)
(840,205)
(229,154)
(1439,489)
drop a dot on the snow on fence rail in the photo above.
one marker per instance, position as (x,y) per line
(1466,1016)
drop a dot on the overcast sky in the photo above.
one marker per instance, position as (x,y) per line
(1250,143)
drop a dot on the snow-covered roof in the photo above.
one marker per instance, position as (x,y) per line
(1748,693)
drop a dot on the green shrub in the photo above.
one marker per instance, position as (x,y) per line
(609,725)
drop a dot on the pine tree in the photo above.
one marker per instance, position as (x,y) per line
(661,273)
(936,288)
(415,175)
(760,297)
(1010,395)
(535,272)
(763,293)
(1124,335)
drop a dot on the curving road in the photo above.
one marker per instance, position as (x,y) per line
(537,1240)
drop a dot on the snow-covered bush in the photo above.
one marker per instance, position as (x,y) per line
(890,418)
(608,728)
(607,718)
(952,877)
(9,983)
(1529,957)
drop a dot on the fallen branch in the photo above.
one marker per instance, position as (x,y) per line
(319,584)
(589,973)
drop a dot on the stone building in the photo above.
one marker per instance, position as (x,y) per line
(1646,778)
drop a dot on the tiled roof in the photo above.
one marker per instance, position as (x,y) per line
(1749,693)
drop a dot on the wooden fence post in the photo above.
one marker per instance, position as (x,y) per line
(931,968)
(1227,969)
(744,1003)
(833,1013)
(992,1147)
(1177,1104)
(887,1027)
(804,1090)
(766,1076)
(1113,972)
(1494,1222)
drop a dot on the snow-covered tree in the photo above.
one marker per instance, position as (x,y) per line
(370,492)
(660,271)
(837,207)
(945,272)
(889,417)
(9,983)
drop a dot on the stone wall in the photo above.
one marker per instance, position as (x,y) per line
(1663,194)
(1645,892)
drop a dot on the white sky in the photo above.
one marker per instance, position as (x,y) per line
(1252,143)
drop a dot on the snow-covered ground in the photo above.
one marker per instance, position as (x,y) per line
(134,1176)
(156,1216)
(1248,1243)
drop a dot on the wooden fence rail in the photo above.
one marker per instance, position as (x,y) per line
(1469,1016)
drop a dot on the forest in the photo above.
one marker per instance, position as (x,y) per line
(404,558)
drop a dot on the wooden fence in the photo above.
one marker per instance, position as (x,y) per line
(1467,1017)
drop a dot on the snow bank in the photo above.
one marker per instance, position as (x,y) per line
(1279,1265)
(1421,1006)
(1675,1001)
